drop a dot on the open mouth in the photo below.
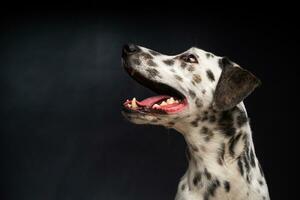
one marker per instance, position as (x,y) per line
(168,101)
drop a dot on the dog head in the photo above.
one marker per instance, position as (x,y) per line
(187,84)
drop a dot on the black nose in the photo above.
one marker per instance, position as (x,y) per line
(130,49)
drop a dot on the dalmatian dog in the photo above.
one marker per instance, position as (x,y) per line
(201,96)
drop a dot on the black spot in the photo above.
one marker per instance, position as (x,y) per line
(197,78)
(252,158)
(241,119)
(208,133)
(152,72)
(154,53)
(203,91)
(221,154)
(207,174)
(247,165)
(260,169)
(191,68)
(211,189)
(146,56)
(226,186)
(226,123)
(246,158)
(171,123)
(205,116)
(136,61)
(151,63)
(183,65)
(209,55)
(197,178)
(182,187)
(192,94)
(172,70)
(206,196)
(178,77)
(194,123)
(199,102)
(246,143)
(260,182)
(210,75)
(232,143)
(240,166)
(248,178)
(169,62)
(188,154)
(212,118)
(204,130)
(194,148)
(196,120)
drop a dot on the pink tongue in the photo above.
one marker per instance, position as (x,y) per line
(152,100)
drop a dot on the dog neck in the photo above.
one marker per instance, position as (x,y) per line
(220,151)
(212,136)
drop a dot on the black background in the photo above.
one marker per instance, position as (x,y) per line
(62,85)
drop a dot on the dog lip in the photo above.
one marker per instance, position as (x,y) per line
(157,87)
(144,111)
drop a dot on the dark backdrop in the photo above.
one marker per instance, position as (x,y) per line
(62,85)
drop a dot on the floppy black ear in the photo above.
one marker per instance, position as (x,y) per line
(234,85)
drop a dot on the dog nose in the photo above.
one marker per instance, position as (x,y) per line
(130,49)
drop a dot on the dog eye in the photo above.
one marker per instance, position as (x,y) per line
(189,58)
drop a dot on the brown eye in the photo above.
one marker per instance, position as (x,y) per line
(190,58)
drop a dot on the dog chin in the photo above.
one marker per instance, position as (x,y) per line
(137,118)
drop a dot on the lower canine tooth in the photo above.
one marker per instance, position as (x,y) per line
(133,103)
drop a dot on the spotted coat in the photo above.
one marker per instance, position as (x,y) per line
(220,150)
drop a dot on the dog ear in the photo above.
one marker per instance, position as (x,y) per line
(234,85)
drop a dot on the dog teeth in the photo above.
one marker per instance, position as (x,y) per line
(133,103)
(170,100)
(155,106)
(163,103)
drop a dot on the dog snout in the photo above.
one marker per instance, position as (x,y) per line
(129,49)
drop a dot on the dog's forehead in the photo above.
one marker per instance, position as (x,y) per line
(201,52)
(196,51)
